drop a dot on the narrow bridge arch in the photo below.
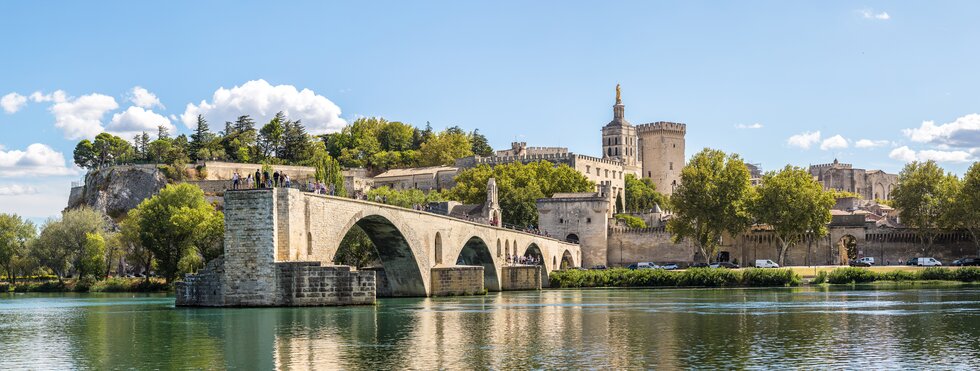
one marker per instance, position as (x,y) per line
(400,265)
(476,252)
(566,260)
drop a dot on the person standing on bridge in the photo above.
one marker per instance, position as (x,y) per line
(258,178)
(234,180)
(265,179)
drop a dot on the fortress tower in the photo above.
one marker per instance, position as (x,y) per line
(619,140)
(662,153)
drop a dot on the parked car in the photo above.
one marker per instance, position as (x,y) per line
(698,265)
(670,266)
(599,267)
(924,262)
(964,262)
(647,265)
(867,259)
(858,263)
(728,265)
(765,263)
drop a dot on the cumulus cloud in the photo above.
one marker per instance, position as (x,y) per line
(262,100)
(82,117)
(749,126)
(12,102)
(871,14)
(135,120)
(143,98)
(834,142)
(868,143)
(964,132)
(903,153)
(58,96)
(37,160)
(804,140)
(16,190)
(906,154)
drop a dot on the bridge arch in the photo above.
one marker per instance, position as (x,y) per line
(566,260)
(476,252)
(401,266)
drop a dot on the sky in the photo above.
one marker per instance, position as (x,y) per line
(875,84)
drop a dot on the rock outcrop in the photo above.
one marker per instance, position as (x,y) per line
(118,189)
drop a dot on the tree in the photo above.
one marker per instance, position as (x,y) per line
(356,249)
(296,143)
(444,148)
(107,149)
(136,252)
(968,204)
(518,187)
(713,198)
(327,171)
(619,203)
(175,222)
(404,198)
(924,198)
(15,236)
(61,245)
(162,132)
(200,139)
(92,261)
(642,195)
(481,147)
(422,136)
(271,136)
(631,221)
(794,205)
(240,142)
(395,137)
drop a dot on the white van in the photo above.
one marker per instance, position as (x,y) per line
(766,263)
(926,262)
(867,259)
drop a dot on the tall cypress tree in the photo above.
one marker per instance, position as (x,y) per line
(200,138)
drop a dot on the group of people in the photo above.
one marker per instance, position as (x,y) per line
(524,260)
(262,179)
(321,188)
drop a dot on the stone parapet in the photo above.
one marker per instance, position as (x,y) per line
(457,280)
(202,289)
(521,277)
(309,284)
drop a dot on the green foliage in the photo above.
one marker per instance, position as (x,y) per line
(93,260)
(836,193)
(16,234)
(713,198)
(967,274)
(925,199)
(107,149)
(480,145)
(631,221)
(820,278)
(404,198)
(794,205)
(328,170)
(61,247)
(175,220)
(967,204)
(692,277)
(519,186)
(445,147)
(851,275)
(898,276)
(936,274)
(642,195)
(356,249)
(271,136)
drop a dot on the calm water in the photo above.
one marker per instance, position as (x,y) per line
(600,329)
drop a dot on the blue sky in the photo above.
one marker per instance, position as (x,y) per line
(882,82)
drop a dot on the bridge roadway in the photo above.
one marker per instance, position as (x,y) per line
(267,226)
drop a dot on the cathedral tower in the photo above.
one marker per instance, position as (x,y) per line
(619,140)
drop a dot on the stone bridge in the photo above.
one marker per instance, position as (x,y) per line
(268,227)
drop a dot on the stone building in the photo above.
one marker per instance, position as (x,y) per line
(421,178)
(578,217)
(869,184)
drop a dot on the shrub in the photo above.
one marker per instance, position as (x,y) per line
(631,221)
(770,277)
(851,275)
(82,285)
(820,278)
(710,277)
(965,274)
(4,287)
(936,273)
(898,276)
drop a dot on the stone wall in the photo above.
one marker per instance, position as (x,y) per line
(457,280)
(581,217)
(202,289)
(250,248)
(309,284)
(382,287)
(631,245)
(521,277)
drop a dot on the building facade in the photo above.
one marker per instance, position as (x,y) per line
(869,184)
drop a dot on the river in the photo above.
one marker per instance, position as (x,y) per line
(805,328)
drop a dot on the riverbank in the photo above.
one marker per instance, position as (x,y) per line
(112,284)
(854,275)
(694,277)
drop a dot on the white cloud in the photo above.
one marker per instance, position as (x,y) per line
(750,126)
(12,102)
(135,120)
(37,160)
(58,96)
(82,117)
(143,98)
(834,142)
(903,153)
(804,140)
(871,14)
(963,132)
(261,100)
(16,190)
(868,143)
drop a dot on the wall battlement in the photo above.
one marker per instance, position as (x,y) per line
(664,126)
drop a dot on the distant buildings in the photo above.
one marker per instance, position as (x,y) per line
(869,184)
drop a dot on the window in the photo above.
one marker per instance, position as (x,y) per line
(649,174)
(671,166)
(588,168)
(588,220)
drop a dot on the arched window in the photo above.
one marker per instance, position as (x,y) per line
(507,248)
(309,243)
(498,248)
(438,249)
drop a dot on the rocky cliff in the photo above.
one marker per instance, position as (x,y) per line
(118,189)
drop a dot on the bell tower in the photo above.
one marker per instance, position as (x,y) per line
(619,139)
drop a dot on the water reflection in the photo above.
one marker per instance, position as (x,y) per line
(615,329)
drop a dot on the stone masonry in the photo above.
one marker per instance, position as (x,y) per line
(457,280)
(522,277)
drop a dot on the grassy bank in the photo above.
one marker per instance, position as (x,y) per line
(112,284)
(695,277)
(853,275)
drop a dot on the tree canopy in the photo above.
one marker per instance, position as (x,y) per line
(794,205)
(15,235)
(642,195)
(967,204)
(713,198)
(925,198)
(64,245)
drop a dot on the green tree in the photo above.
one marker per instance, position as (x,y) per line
(967,203)
(296,142)
(92,261)
(395,137)
(518,187)
(444,148)
(356,249)
(15,236)
(61,245)
(713,198)
(619,203)
(328,171)
(135,251)
(642,195)
(176,222)
(200,139)
(271,136)
(924,198)
(404,198)
(794,205)
(631,221)
(481,147)
(107,149)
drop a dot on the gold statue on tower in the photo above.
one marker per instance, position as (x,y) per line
(618,99)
